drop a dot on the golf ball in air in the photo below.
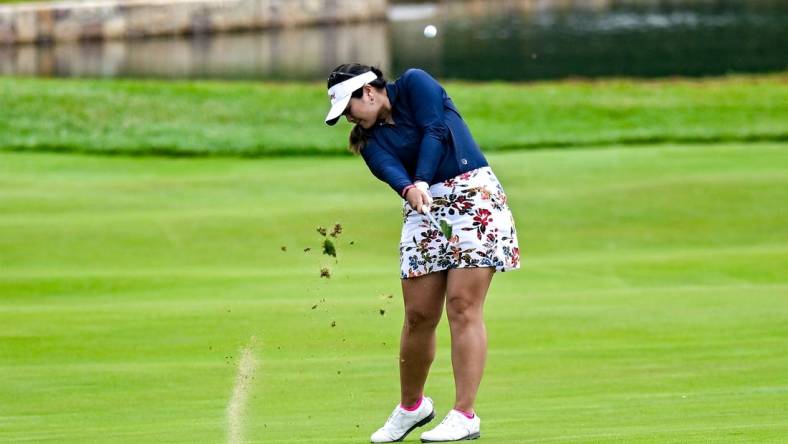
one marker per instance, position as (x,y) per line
(430,31)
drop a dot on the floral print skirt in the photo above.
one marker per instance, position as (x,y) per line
(482,228)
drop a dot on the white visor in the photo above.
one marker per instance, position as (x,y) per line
(341,92)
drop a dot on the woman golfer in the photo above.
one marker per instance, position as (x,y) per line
(412,137)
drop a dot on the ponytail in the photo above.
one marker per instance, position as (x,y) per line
(358,139)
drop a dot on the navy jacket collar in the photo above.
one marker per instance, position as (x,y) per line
(392,90)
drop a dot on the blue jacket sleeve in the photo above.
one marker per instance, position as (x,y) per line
(386,167)
(426,95)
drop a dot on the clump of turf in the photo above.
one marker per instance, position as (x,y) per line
(328,248)
(446,228)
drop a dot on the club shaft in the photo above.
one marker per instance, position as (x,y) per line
(433,221)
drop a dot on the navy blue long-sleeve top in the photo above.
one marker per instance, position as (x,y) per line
(429,141)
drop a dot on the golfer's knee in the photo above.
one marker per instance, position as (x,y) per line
(416,319)
(461,310)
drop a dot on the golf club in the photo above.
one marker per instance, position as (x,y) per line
(445,230)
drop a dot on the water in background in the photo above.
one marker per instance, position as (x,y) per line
(477,40)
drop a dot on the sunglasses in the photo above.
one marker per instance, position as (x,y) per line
(338,75)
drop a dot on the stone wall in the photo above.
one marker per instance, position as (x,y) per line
(113,19)
(303,53)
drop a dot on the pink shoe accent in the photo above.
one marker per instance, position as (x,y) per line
(467,415)
(410,408)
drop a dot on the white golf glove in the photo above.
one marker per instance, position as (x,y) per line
(424,187)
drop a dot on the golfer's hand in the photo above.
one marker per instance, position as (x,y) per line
(419,197)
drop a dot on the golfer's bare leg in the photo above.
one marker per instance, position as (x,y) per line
(465,294)
(423,297)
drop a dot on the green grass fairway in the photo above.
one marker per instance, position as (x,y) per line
(216,118)
(652,305)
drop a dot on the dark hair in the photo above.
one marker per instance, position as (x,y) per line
(358,135)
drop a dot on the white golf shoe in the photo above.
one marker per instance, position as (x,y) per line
(401,422)
(454,427)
